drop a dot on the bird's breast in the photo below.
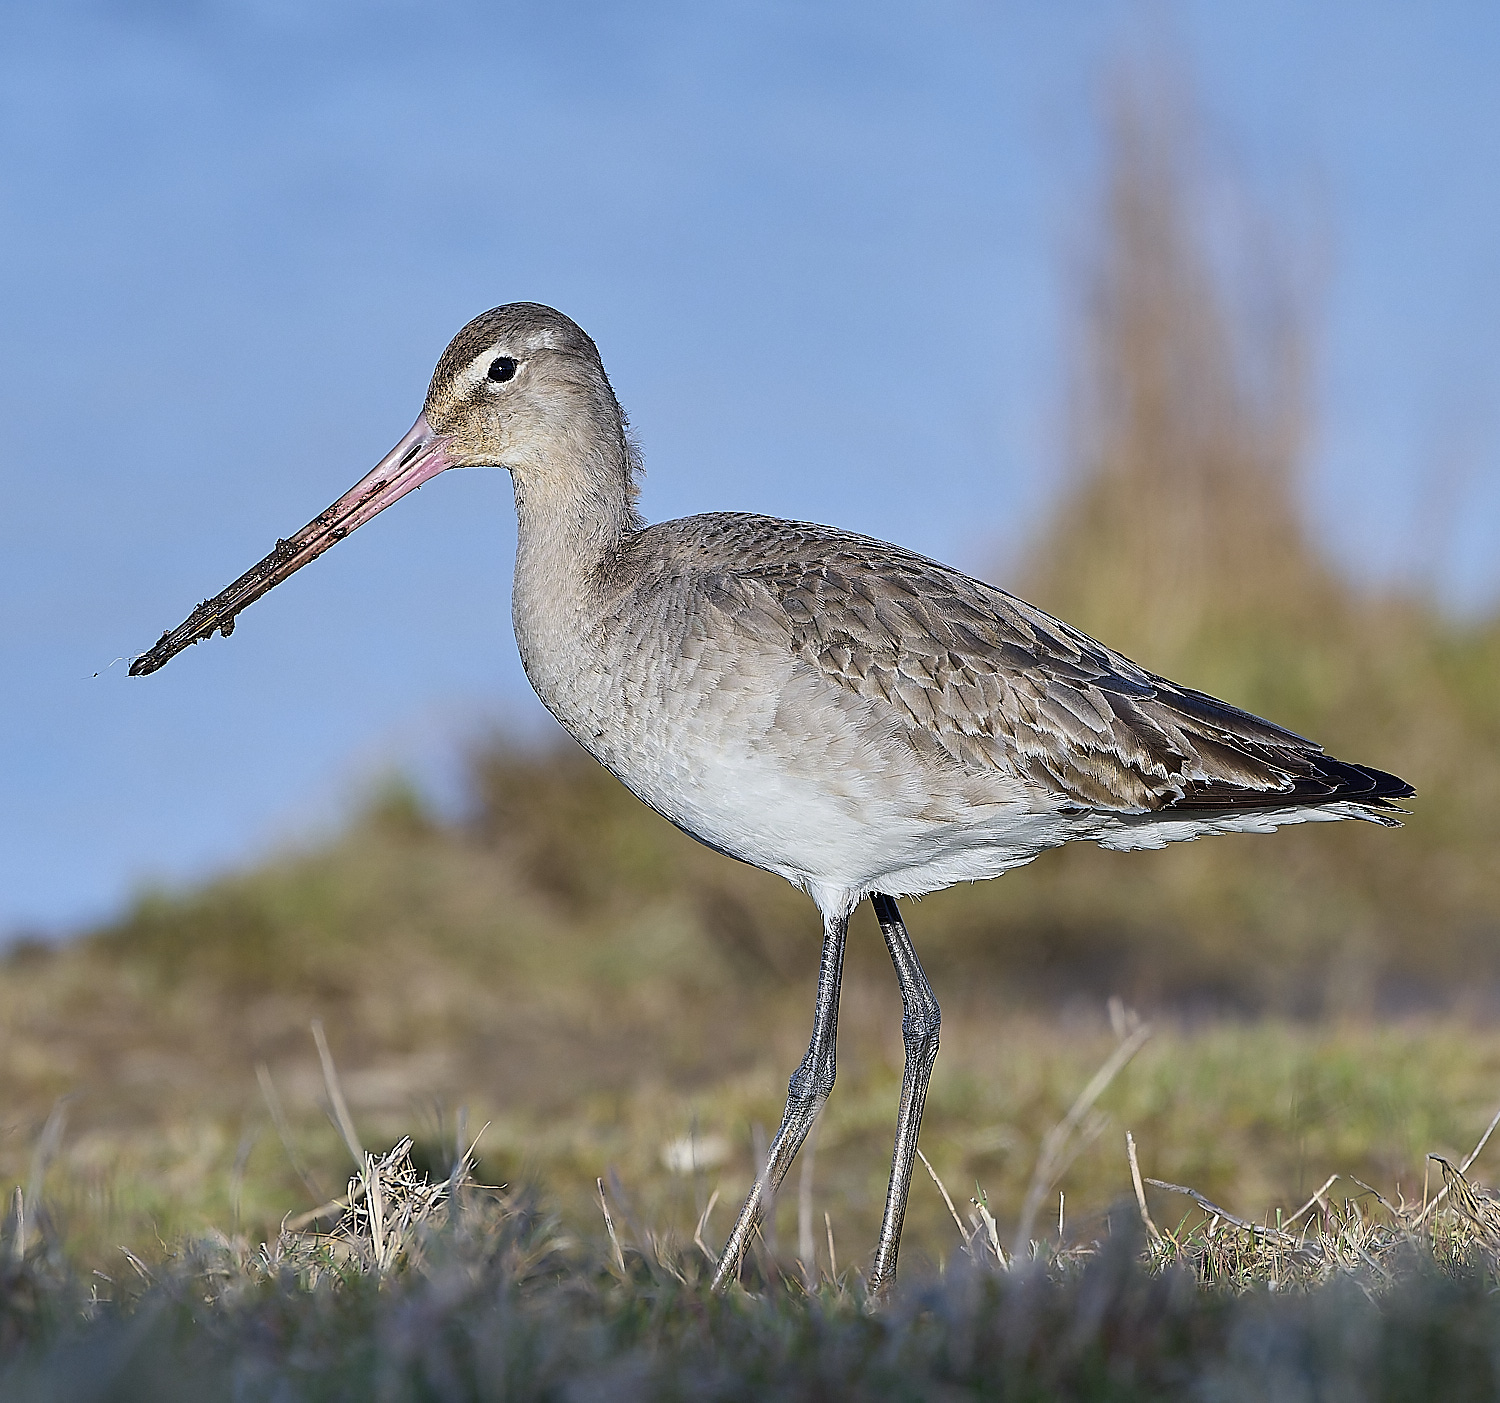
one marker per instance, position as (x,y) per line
(744,745)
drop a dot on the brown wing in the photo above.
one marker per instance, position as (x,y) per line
(1001,685)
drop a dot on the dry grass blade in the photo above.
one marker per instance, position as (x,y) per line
(1462,1169)
(1258,1230)
(1479,1207)
(375,1206)
(984,1221)
(44,1152)
(1379,1197)
(141,1269)
(713,1257)
(942,1189)
(1316,1201)
(1140,1192)
(1053,1160)
(637,1228)
(339,1107)
(47,1145)
(609,1223)
(18,1241)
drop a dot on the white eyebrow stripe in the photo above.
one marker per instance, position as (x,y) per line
(478,370)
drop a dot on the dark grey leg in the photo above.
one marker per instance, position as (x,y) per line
(809,1089)
(920,1021)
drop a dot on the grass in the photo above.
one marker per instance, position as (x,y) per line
(187,1101)
(429,1286)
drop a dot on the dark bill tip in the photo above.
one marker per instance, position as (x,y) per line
(420,455)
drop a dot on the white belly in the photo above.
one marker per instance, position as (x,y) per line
(763,759)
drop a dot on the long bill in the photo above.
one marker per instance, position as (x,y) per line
(421,454)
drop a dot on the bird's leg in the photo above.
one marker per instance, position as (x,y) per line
(807,1092)
(920,1020)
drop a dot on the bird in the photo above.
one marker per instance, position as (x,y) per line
(859,719)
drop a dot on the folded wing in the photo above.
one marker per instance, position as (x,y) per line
(1000,685)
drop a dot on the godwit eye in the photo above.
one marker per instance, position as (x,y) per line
(502,368)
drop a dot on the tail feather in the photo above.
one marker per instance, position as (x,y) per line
(1330,782)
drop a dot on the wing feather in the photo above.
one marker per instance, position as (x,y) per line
(997,684)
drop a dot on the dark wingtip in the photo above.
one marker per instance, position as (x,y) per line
(1331,782)
(1382,787)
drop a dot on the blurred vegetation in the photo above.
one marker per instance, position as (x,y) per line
(600,989)
(487,1298)
(1180,541)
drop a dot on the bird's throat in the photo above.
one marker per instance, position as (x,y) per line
(568,531)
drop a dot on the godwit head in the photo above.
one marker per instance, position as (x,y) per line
(520,387)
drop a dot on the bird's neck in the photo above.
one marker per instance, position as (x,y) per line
(572,518)
(569,522)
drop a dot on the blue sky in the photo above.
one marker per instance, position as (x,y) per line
(826,250)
